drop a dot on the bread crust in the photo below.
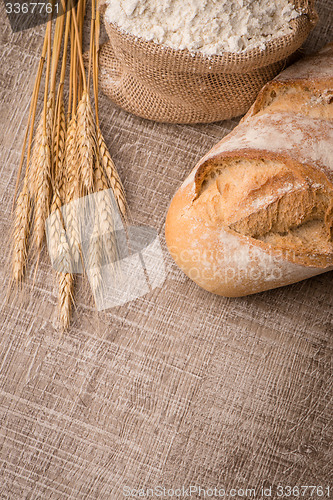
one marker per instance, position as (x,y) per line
(222,261)
(209,251)
(313,74)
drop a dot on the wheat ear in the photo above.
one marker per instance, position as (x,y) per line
(25,199)
(59,151)
(66,286)
(21,233)
(71,174)
(58,236)
(95,255)
(106,215)
(86,142)
(65,279)
(103,245)
(43,191)
(112,175)
(58,244)
(72,192)
(34,161)
(95,259)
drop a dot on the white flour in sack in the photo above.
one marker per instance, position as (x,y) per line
(208,26)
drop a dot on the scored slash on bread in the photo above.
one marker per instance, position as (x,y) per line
(257,211)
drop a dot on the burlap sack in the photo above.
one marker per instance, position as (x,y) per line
(168,85)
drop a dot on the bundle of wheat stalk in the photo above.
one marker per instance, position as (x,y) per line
(66,155)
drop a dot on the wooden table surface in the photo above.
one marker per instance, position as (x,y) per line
(176,388)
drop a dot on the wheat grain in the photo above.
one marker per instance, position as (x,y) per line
(21,233)
(112,174)
(86,142)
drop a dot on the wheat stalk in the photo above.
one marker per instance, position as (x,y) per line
(40,167)
(24,201)
(27,142)
(66,144)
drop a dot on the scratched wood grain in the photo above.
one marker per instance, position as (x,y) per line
(176,388)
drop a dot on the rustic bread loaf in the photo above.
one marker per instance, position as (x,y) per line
(257,211)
